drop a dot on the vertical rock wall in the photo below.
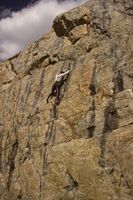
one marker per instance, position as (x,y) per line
(81,149)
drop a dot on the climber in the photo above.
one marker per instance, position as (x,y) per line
(59,81)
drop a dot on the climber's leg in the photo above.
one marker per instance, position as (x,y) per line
(49,96)
(58,93)
(53,93)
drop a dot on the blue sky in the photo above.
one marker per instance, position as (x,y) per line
(22,23)
(16,5)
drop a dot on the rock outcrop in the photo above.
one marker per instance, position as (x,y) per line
(81,149)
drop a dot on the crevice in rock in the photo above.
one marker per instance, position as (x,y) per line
(88,50)
(27,92)
(131,123)
(92,89)
(49,136)
(30,118)
(92,126)
(7,82)
(20,196)
(53,59)
(45,165)
(11,163)
(39,89)
(12,68)
(118,82)
(110,115)
(74,41)
(49,133)
(73,184)
(1,137)
(110,124)
(28,153)
(124,180)
(15,56)
(92,86)
(91,130)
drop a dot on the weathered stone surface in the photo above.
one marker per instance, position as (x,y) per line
(81,149)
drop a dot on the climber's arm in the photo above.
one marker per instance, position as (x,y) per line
(65,73)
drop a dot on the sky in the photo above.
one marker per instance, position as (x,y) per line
(24,21)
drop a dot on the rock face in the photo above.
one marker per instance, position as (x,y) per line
(81,149)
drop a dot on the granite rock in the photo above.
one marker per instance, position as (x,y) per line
(82,148)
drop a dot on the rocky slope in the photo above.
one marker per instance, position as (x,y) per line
(81,149)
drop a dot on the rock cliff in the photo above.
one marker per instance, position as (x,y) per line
(82,148)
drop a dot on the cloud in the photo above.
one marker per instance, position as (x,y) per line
(29,24)
(4,12)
